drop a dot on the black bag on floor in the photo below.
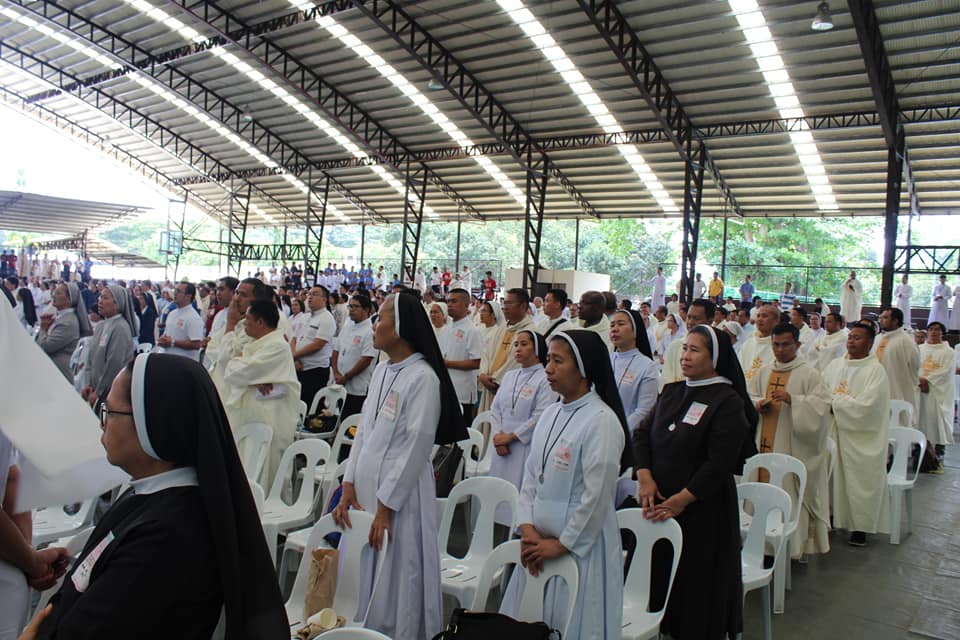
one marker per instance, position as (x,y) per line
(445,465)
(481,625)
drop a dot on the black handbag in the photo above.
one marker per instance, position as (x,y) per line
(445,464)
(482,625)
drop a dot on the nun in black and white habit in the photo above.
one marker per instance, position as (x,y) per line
(185,541)
(390,475)
(567,499)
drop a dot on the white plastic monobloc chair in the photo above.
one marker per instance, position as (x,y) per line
(301,414)
(901,413)
(639,623)
(333,398)
(355,633)
(472,452)
(769,504)
(276,512)
(346,601)
(531,600)
(53,523)
(144,347)
(253,443)
(780,467)
(482,424)
(899,480)
(459,575)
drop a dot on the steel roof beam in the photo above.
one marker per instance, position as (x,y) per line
(469,92)
(180,82)
(663,102)
(334,103)
(138,122)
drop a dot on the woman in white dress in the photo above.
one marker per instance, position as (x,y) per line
(633,366)
(526,393)
(389,473)
(676,329)
(566,505)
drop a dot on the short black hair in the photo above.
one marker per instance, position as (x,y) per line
(189,289)
(895,313)
(459,291)
(260,290)
(803,312)
(265,310)
(559,295)
(609,300)
(230,282)
(709,308)
(521,294)
(867,326)
(627,303)
(937,323)
(783,328)
(836,316)
(364,302)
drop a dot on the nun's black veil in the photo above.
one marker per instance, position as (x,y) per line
(539,345)
(413,325)
(177,404)
(728,366)
(595,356)
(639,332)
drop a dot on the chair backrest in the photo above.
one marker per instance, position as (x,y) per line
(531,600)
(490,492)
(352,543)
(54,522)
(484,418)
(258,496)
(144,347)
(767,499)
(831,456)
(253,443)
(354,633)
(317,453)
(779,466)
(301,413)
(901,413)
(333,399)
(905,438)
(342,436)
(636,586)
(472,450)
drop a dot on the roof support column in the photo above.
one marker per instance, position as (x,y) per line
(412,219)
(533,223)
(237,229)
(895,164)
(311,254)
(692,200)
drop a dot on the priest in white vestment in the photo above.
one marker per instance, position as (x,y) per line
(592,316)
(794,403)
(261,384)
(938,302)
(851,299)
(756,352)
(954,323)
(898,353)
(659,283)
(832,344)
(901,297)
(228,342)
(860,406)
(937,390)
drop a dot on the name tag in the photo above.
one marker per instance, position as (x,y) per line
(694,413)
(103,341)
(389,408)
(356,341)
(562,456)
(459,335)
(629,377)
(81,577)
(526,392)
(180,324)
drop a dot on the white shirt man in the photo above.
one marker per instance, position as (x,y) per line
(699,288)
(659,283)
(851,299)
(313,346)
(461,345)
(183,335)
(901,296)
(938,302)
(353,347)
(860,406)
(793,403)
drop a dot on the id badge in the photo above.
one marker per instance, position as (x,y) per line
(81,577)
(562,456)
(526,392)
(389,408)
(694,413)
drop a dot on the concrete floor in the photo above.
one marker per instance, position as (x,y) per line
(881,591)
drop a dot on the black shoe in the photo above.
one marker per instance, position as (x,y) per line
(858,539)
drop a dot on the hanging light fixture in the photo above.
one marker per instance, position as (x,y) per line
(822,21)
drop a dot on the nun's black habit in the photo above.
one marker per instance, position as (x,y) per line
(180,545)
(697,439)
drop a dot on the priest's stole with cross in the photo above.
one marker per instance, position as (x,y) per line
(768,422)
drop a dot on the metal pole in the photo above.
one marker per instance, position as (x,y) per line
(576,246)
(363,242)
(723,258)
(456,267)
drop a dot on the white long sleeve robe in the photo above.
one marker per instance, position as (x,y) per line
(755,354)
(827,348)
(638,383)
(851,300)
(574,504)
(898,354)
(802,433)
(954,323)
(860,401)
(901,297)
(935,409)
(267,360)
(390,463)
(938,308)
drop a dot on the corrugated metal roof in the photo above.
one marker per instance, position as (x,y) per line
(698,45)
(20,211)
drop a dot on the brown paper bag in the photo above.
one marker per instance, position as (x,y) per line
(312,630)
(321,581)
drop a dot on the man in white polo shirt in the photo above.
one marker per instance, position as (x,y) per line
(183,334)
(313,345)
(354,354)
(462,347)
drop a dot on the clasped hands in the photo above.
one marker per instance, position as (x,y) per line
(536,549)
(648,494)
(502,442)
